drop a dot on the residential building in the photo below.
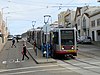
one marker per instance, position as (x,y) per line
(54,24)
(95,24)
(3,32)
(84,17)
(69,19)
(61,18)
(66,19)
(0,22)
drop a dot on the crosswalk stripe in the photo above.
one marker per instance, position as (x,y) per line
(27,68)
(37,71)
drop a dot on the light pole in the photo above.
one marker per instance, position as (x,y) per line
(46,21)
(98,0)
(34,37)
(33,23)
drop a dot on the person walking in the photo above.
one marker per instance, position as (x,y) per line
(34,47)
(17,38)
(13,42)
(24,52)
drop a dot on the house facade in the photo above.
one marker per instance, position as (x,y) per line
(65,18)
(82,21)
(87,20)
(3,32)
(69,20)
(61,18)
(95,25)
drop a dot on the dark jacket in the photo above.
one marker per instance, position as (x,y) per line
(24,50)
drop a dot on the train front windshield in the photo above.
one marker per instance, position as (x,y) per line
(67,37)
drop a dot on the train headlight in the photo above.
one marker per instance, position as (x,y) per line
(62,48)
(72,47)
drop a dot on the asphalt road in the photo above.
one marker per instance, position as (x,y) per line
(11,63)
(12,58)
(86,63)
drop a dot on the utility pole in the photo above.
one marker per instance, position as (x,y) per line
(34,38)
(33,23)
(46,21)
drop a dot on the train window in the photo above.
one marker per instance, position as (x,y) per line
(67,37)
(67,42)
(67,34)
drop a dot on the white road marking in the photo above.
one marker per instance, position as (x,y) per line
(4,62)
(96,62)
(79,64)
(66,66)
(91,67)
(17,61)
(29,48)
(61,71)
(38,71)
(27,68)
(22,61)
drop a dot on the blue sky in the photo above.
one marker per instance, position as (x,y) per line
(23,12)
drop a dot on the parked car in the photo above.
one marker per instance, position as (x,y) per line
(84,40)
(19,36)
(10,37)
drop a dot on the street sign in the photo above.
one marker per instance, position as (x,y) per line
(46,28)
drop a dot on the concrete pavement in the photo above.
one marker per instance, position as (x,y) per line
(9,53)
(39,59)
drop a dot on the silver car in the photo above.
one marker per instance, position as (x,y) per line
(84,40)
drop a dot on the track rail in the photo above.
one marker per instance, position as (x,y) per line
(89,55)
(82,67)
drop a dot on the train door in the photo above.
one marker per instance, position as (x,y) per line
(55,41)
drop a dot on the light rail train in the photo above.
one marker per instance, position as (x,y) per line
(62,41)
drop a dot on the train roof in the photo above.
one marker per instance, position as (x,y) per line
(64,29)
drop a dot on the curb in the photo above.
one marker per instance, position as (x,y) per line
(32,57)
(40,62)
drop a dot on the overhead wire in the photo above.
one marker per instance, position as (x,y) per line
(68,5)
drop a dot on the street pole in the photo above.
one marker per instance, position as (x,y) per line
(46,21)
(33,24)
(35,38)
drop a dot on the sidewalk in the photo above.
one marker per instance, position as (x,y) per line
(39,59)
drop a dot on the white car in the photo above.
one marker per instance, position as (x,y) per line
(84,39)
(10,37)
(18,36)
